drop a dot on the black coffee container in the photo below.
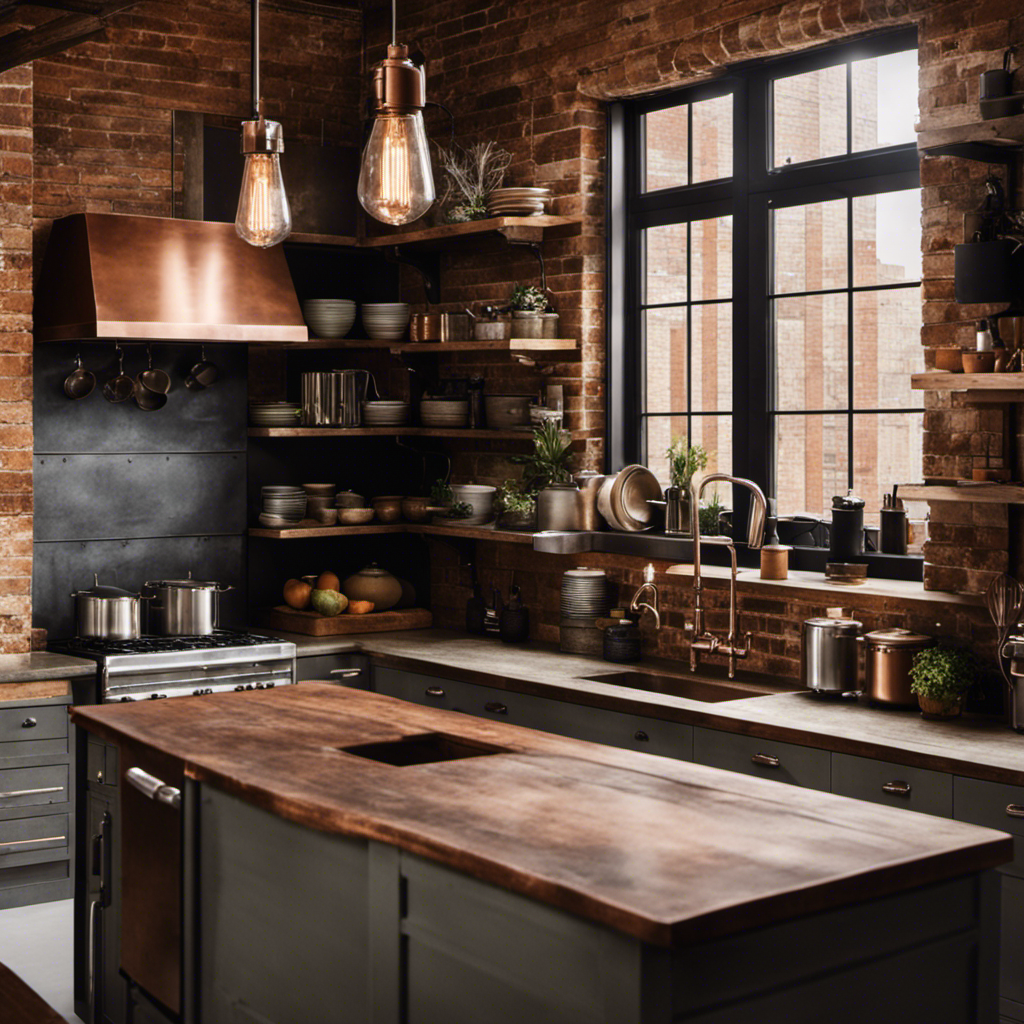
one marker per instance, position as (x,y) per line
(846,537)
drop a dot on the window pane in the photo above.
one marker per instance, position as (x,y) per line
(810,247)
(712,139)
(711,258)
(884,100)
(711,357)
(887,238)
(666,263)
(713,433)
(886,451)
(660,432)
(809,116)
(811,352)
(666,147)
(887,348)
(811,462)
(666,359)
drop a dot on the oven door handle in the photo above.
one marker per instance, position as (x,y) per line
(154,788)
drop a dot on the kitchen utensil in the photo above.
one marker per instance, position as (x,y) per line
(274,414)
(492,330)
(527,324)
(978,362)
(480,497)
(321,399)
(148,401)
(849,574)
(107,613)
(79,382)
(585,593)
(121,387)
(203,373)
(444,412)
(419,510)
(152,378)
(455,326)
(1003,599)
(425,327)
(373,584)
(507,412)
(830,656)
(385,413)
(580,636)
(893,525)
(558,508)
(846,535)
(890,655)
(329,318)
(389,510)
(349,499)
(385,321)
(775,561)
(949,359)
(677,512)
(621,644)
(514,620)
(284,502)
(632,491)
(355,516)
(184,607)
(589,484)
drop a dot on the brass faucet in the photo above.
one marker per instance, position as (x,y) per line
(637,606)
(703,639)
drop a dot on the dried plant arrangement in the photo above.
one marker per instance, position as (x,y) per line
(472,173)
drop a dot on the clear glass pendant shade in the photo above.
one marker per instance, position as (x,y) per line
(264,217)
(395,181)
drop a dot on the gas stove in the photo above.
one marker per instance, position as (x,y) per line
(153,667)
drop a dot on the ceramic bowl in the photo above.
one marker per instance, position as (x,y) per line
(388,509)
(349,499)
(354,516)
(416,510)
(949,359)
(978,362)
(324,516)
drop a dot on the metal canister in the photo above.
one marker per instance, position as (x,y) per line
(890,655)
(677,512)
(455,326)
(321,400)
(830,655)
(589,483)
(558,508)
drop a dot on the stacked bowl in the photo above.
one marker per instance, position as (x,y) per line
(385,413)
(517,202)
(444,412)
(385,321)
(320,503)
(585,593)
(329,318)
(282,505)
(274,414)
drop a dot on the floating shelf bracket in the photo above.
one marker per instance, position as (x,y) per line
(427,265)
(535,248)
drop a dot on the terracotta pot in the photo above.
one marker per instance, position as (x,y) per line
(373,584)
(949,359)
(939,709)
(978,362)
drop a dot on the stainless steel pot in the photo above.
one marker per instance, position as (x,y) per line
(558,508)
(184,607)
(107,613)
(830,655)
(890,655)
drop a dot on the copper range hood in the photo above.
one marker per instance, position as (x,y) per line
(156,278)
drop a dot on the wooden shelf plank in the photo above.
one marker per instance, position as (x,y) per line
(989,494)
(445,233)
(346,432)
(432,347)
(428,529)
(943,380)
(312,238)
(1000,131)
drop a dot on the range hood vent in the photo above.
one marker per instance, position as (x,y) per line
(157,278)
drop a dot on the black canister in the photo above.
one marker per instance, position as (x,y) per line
(894,531)
(622,644)
(475,393)
(514,621)
(846,536)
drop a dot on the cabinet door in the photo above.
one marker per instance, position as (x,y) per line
(769,759)
(996,806)
(36,731)
(1011,949)
(896,785)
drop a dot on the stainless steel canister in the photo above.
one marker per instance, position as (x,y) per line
(589,483)
(184,607)
(455,326)
(321,399)
(558,508)
(107,613)
(677,512)
(890,655)
(830,655)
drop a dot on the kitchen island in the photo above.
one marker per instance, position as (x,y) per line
(343,856)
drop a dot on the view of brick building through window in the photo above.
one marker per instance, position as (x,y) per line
(689,289)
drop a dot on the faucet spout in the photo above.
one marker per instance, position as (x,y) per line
(636,606)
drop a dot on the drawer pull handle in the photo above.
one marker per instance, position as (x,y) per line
(29,723)
(641,736)
(42,839)
(434,691)
(897,788)
(346,673)
(768,760)
(30,792)
(154,788)
(1015,810)
(495,707)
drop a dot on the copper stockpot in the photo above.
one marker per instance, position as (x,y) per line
(889,657)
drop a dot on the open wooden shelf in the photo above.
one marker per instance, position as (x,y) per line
(431,347)
(302,532)
(984,493)
(978,387)
(1002,132)
(311,238)
(345,432)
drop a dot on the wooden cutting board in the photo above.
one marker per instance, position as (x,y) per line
(313,624)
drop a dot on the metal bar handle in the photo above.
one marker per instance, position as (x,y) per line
(30,792)
(768,760)
(1015,810)
(897,787)
(434,691)
(346,673)
(495,707)
(154,788)
(41,839)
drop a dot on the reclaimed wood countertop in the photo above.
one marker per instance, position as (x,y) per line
(663,850)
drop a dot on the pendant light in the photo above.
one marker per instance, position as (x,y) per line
(263,217)
(396,185)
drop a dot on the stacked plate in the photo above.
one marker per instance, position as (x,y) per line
(385,414)
(585,594)
(624,500)
(517,202)
(444,412)
(274,414)
(282,505)
(329,318)
(385,321)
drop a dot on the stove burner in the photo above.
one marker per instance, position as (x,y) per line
(165,644)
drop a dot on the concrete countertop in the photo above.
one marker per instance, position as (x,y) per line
(40,665)
(976,746)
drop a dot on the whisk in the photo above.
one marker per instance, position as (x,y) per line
(1004,599)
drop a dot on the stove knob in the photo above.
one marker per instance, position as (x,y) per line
(208,690)
(196,693)
(269,685)
(154,696)
(126,700)
(259,686)
(239,687)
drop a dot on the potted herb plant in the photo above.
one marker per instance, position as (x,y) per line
(941,677)
(684,461)
(517,508)
(710,516)
(547,469)
(527,303)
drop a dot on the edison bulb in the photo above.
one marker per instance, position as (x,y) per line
(395,181)
(264,217)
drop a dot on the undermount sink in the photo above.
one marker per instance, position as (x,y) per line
(694,687)
(425,748)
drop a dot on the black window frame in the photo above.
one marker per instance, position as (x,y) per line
(754,190)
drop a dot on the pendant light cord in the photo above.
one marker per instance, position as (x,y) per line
(394,20)
(255,58)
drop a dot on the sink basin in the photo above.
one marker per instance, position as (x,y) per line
(426,748)
(695,687)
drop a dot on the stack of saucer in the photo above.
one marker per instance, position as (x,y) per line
(517,202)
(385,413)
(444,412)
(385,321)
(282,505)
(274,414)
(585,594)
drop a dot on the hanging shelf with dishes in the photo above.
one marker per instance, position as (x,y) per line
(431,347)
(986,493)
(313,530)
(525,434)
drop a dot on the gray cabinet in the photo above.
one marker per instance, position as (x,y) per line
(769,759)
(346,669)
(896,785)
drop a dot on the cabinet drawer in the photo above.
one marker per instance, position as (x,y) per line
(769,759)
(896,785)
(33,723)
(28,787)
(346,669)
(422,689)
(23,839)
(996,806)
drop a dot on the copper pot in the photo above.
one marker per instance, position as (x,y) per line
(425,327)
(890,655)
